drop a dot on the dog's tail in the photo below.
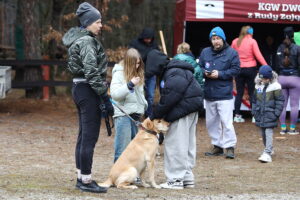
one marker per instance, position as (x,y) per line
(106,183)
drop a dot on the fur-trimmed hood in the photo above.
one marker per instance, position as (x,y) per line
(258,80)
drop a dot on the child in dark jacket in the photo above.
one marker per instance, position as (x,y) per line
(267,107)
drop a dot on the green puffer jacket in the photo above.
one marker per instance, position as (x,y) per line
(197,70)
(86,58)
(267,102)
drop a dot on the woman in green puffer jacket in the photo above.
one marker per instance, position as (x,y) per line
(87,62)
(184,53)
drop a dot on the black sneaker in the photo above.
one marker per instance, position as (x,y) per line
(230,153)
(78,183)
(92,187)
(216,151)
(138,181)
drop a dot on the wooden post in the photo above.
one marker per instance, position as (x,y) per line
(163,42)
(46,77)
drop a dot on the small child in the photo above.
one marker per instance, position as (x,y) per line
(266,107)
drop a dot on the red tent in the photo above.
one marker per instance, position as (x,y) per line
(195,18)
(243,11)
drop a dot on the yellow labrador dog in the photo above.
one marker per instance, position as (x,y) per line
(139,154)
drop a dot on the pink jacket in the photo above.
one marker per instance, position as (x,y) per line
(248,52)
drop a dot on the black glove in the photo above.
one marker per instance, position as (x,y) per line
(107,110)
(107,104)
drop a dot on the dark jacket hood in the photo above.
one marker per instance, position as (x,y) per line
(146,33)
(73,34)
(179,64)
(156,61)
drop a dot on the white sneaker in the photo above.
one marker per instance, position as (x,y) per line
(238,119)
(293,132)
(175,185)
(283,132)
(265,158)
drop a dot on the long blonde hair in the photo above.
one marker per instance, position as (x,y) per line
(130,61)
(243,33)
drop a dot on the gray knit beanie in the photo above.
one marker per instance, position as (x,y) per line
(87,14)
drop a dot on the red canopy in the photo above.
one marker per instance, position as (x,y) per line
(248,11)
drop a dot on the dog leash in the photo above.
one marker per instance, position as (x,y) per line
(137,123)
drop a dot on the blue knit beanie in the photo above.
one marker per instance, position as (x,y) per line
(218,31)
(265,71)
(87,14)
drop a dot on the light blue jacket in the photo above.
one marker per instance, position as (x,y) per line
(130,101)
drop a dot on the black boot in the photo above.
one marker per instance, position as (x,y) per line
(216,151)
(92,187)
(230,153)
(78,183)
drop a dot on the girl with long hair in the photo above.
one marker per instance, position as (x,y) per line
(127,90)
(288,63)
(249,52)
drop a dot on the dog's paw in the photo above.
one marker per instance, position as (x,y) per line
(156,186)
(134,187)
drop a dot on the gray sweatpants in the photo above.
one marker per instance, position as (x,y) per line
(267,136)
(219,123)
(180,148)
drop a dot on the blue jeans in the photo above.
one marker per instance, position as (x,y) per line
(150,84)
(125,132)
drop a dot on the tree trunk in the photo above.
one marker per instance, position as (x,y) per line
(29,17)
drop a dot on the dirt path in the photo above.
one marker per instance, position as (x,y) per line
(37,160)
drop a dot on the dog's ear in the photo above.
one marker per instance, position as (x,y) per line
(148,124)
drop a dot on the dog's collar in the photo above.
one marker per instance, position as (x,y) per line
(151,132)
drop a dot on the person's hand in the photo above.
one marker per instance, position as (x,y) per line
(109,108)
(107,104)
(214,74)
(135,80)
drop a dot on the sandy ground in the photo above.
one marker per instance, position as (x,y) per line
(37,159)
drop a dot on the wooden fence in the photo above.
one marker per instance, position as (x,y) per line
(15,64)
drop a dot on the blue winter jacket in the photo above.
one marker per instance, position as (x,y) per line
(227,62)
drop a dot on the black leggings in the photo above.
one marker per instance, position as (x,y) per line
(89,116)
(246,76)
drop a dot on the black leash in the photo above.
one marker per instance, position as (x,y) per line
(137,123)
(160,137)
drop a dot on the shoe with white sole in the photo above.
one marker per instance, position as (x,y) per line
(265,158)
(283,132)
(175,185)
(293,132)
(238,119)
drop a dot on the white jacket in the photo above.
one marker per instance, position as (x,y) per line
(130,102)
